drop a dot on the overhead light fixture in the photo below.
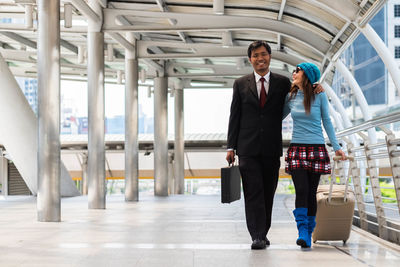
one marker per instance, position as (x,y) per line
(218,7)
(227,39)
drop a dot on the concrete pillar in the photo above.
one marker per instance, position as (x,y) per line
(131,124)
(96,149)
(160,136)
(179,145)
(48,62)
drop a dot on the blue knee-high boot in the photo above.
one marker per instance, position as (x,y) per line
(311,226)
(300,215)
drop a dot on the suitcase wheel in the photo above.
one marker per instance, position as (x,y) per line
(344,242)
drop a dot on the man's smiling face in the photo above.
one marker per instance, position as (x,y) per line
(260,59)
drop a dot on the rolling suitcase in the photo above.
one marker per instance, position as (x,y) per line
(335,209)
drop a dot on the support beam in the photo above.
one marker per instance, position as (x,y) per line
(280,14)
(362,102)
(87,10)
(186,23)
(122,41)
(219,7)
(96,150)
(179,144)
(209,51)
(383,53)
(16,37)
(227,40)
(131,124)
(67,15)
(29,16)
(49,197)
(160,136)
(67,45)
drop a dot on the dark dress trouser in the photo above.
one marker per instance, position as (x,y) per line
(260,178)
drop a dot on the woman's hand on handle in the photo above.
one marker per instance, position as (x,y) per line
(340,153)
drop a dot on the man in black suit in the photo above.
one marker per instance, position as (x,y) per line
(255,133)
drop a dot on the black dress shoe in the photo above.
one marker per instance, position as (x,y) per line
(258,244)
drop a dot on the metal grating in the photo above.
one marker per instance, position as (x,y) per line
(16,185)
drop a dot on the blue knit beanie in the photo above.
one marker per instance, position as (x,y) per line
(311,70)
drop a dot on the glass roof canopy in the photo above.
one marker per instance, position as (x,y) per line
(201,40)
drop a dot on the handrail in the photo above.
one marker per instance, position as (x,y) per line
(386,119)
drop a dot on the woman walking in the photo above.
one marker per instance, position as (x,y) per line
(307,157)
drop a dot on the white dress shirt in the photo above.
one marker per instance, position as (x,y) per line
(258,82)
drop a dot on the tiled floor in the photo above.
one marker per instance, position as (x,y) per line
(174,231)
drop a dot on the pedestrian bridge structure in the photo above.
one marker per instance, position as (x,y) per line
(169,47)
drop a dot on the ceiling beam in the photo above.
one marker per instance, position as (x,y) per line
(206,22)
(209,51)
(283,3)
(163,7)
(32,44)
(86,10)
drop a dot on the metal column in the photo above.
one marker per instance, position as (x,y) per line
(354,170)
(84,184)
(96,149)
(179,163)
(359,96)
(394,163)
(384,54)
(48,61)
(131,125)
(160,136)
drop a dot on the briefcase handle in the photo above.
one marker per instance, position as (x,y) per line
(333,177)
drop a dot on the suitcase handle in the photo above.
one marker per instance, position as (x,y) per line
(339,158)
(333,177)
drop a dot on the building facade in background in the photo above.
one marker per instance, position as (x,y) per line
(369,70)
(29,87)
(366,66)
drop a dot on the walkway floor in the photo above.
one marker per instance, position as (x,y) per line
(175,231)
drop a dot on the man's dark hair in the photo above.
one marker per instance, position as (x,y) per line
(256,44)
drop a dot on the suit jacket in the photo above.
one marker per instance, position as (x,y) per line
(256,131)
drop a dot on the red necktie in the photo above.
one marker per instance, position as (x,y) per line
(263,93)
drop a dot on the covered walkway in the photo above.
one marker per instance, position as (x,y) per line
(167,47)
(180,230)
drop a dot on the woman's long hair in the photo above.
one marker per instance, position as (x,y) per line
(308,92)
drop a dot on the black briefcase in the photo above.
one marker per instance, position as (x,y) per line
(230,184)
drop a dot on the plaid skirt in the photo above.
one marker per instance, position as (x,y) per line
(311,157)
